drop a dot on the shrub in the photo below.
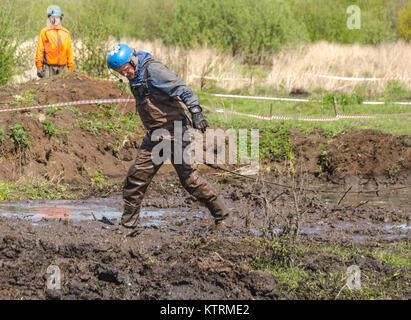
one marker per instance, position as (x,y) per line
(7,46)
(327,20)
(93,26)
(404,22)
(19,137)
(253,28)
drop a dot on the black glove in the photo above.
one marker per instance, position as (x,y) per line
(199,122)
(40,73)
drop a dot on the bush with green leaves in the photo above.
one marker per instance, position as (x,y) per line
(93,26)
(252,28)
(19,137)
(404,22)
(8,43)
(49,128)
(327,20)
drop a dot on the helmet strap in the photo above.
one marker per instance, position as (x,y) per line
(134,62)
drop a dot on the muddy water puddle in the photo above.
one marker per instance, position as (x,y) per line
(87,210)
(179,219)
(400,199)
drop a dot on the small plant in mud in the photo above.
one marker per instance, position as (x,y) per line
(93,126)
(1,136)
(323,164)
(98,179)
(277,146)
(49,128)
(109,110)
(393,171)
(52,112)
(27,99)
(19,137)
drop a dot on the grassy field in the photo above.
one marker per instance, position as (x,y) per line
(321,106)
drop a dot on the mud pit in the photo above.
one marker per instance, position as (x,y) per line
(178,256)
(278,244)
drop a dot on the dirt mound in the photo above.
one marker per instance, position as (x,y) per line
(365,154)
(68,87)
(71,143)
(369,153)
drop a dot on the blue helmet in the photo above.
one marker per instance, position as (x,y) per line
(119,55)
(55,12)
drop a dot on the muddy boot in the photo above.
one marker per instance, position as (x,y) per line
(131,215)
(218,210)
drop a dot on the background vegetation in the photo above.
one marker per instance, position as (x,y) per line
(251,29)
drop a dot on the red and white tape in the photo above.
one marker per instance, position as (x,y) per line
(386,78)
(275,117)
(295,99)
(70,103)
(272,117)
(219,79)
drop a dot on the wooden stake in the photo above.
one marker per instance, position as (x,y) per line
(186,69)
(335,106)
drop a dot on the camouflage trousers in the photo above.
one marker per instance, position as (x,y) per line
(50,70)
(142,172)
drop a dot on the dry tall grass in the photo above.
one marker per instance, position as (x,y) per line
(357,61)
(288,67)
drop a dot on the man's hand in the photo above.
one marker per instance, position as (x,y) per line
(199,122)
(40,73)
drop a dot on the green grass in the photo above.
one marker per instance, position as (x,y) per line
(395,126)
(116,123)
(398,255)
(305,283)
(33,189)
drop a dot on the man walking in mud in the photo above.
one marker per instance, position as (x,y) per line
(54,52)
(162,100)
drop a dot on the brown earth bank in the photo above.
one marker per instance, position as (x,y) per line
(80,148)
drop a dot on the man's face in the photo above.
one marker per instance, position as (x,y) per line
(126,70)
(55,20)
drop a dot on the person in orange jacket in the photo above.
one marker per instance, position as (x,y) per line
(54,52)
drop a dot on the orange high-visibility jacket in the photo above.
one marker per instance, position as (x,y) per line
(54,47)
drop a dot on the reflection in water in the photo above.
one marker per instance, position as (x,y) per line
(87,210)
(53,212)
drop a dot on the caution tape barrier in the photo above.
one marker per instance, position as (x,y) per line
(272,117)
(296,99)
(336,118)
(386,78)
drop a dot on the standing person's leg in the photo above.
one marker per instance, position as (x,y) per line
(59,69)
(47,71)
(197,186)
(137,181)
